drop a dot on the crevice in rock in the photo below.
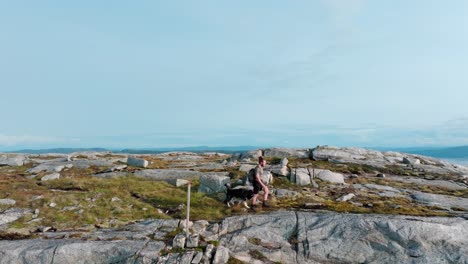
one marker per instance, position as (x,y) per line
(294,238)
(136,255)
(53,255)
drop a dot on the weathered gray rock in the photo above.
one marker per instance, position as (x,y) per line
(178,241)
(359,238)
(171,174)
(53,176)
(221,256)
(280,169)
(7,202)
(116,168)
(443,201)
(283,193)
(252,155)
(198,257)
(12,160)
(383,159)
(411,161)
(76,251)
(267,177)
(199,226)
(346,197)
(213,183)
(438,183)
(246,167)
(136,162)
(11,215)
(208,255)
(326,175)
(286,153)
(192,241)
(301,176)
(110,175)
(179,182)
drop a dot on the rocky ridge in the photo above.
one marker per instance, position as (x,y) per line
(306,185)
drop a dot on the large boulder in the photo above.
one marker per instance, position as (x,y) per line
(300,176)
(12,160)
(136,162)
(286,153)
(213,183)
(246,167)
(326,175)
(252,155)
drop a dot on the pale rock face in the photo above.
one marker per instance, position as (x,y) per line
(52,176)
(213,183)
(252,155)
(135,162)
(301,176)
(11,215)
(326,175)
(7,202)
(287,152)
(221,255)
(246,167)
(346,197)
(12,160)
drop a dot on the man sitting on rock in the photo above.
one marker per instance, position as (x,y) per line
(258,184)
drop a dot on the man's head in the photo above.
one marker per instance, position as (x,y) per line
(261,161)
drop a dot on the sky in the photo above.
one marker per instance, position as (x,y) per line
(148,74)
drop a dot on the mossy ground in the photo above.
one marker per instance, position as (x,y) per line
(84,202)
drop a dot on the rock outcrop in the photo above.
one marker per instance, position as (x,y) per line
(286,237)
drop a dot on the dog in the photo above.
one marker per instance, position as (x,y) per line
(241,194)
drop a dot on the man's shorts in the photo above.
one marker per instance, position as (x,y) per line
(256,187)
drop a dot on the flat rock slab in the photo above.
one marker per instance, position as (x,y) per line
(76,251)
(346,238)
(439,200)
(438,183)
(165,175)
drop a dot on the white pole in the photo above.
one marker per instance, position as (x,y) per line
(188,210)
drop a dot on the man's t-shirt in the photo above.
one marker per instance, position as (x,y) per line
(259,171)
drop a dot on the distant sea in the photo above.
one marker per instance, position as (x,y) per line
(461,161)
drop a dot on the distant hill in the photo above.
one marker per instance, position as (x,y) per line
(139,151)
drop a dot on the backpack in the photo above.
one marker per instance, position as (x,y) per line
(249,177)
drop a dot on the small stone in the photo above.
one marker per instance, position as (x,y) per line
(37,197)
(178,241)
(37,211)
(197,258)
(115,199)
(144,209)
(52,205)
(381,175)
(353,176)
(346,197)
(53,176)
(7,202)
(192,241)
(221,256)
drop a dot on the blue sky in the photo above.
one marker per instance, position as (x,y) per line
(265,73)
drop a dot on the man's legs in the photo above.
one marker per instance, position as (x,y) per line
(254,199)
